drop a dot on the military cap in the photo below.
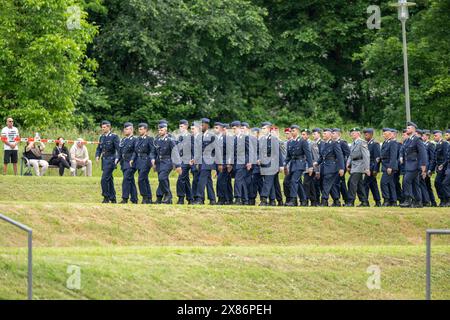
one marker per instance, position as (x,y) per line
(294,126)
(419,131)
(447,131)
(127,124)
(245,124)
(226,125)
(355,129)
(368,130)
(143,125)
(327,129)
(106,122)
(185,122)
(287,130)
(316,130)
(306,130)
(162,125)
(411,124)
(218,124)
(437,131)
(255,129)
(266,123)
(386,129)
(205,120)
(336,130)
(236,123)
(426,131)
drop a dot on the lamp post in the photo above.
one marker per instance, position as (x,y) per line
(403,15)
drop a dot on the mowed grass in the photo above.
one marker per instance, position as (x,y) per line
(211,252)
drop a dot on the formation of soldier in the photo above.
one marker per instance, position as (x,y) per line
(315,163)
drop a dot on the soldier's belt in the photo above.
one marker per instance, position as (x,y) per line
(331,158)
(298,158)
(143,155)
(356,159)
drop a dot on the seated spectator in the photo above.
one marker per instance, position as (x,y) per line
(79,157)
(60,157)
(33,152)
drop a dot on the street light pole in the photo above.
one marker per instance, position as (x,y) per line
(403,15)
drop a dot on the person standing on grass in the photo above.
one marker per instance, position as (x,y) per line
(108,150)
(10,145)
(61,157)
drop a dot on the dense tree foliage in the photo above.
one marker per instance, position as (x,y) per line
(309,61)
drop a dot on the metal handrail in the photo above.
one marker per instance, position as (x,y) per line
(428,259)
(30,251)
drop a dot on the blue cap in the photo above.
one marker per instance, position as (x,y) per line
(236,124)
(426,131)
(336,130)
(245,124)
(218,124)
(294,126)
(205,120)
(411,124)
(163,121)
(419,131)
(256,129)
(106,122)
(185,122)
(162,125)
(368,130)
(437,131)
(266,124)
(226,125)
(127,124)
(327,129)
(143,125)
(447,131)
(317,130)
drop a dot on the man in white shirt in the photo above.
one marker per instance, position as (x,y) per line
(10,145)
(79,158)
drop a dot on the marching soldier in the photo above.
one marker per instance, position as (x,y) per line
(222,161)
(184,146)
(309,180)
(242,164)
(414,155)
(428,199)
(245,127)
(341,184)
(298,159)
(389,165)
(440,152)
(446,182)
(229,152)
(370,181)
(358,164)
(126,154)
(167,157)
(287,178)
(195,141)
(257,180)
(316,144)
(401,165)
(108,150)
(144,154)
(332,164)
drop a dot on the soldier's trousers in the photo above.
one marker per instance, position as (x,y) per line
(240,185)
(331,186)
(342,187)
(129,190)
(430,190)
(143,182)
(424,190)
(268,182)
(195,177)
(310,187)
(446,185)
(370,183)
(255,186)
(287,187)
(164,185)
(398,186)
(275,193)
(438,184)
(296,188)
(221,185)
(107,181)
(205,181)
(411,187)
(184,183)
(388,189)
(356,185)
(248,181)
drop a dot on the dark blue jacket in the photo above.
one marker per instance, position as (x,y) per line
(126,151)
(108,146)
(441,153)
(375,155)
(431,150)
(144,148)
(414,154)
(298,155)
(331,157)
(389,155)
(164,146)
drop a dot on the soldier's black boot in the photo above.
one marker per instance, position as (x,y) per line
(212,203)
(348,204)
(417,204)
(313,204)
(113,201)
(324,203)
(291,203)
(124,201)
(304,203)
(263,202)
(158,200)
(407,203)
(180,200)
(364,204)
(393,204)
(105,200)
(280,203)
(426,204)
(238,202)
(251,202)
(336,203)
(378,203)
(433,204)
(144,200)
(386,203)
(272,203)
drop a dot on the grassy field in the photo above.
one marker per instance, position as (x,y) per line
(201,252)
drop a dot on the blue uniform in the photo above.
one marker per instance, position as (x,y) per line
(425,184)
(400,172)
(126,154)
(164,165)
(298,159)
(341,184)
(370,182)
(223,185)
(441,151)
(206,163)
(414,157)
(446,182)
(388,156)
(241,159)
(184,143)
(108,150)
(144,154)
(331,160)
(270,165)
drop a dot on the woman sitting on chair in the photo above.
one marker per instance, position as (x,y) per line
(60,157)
